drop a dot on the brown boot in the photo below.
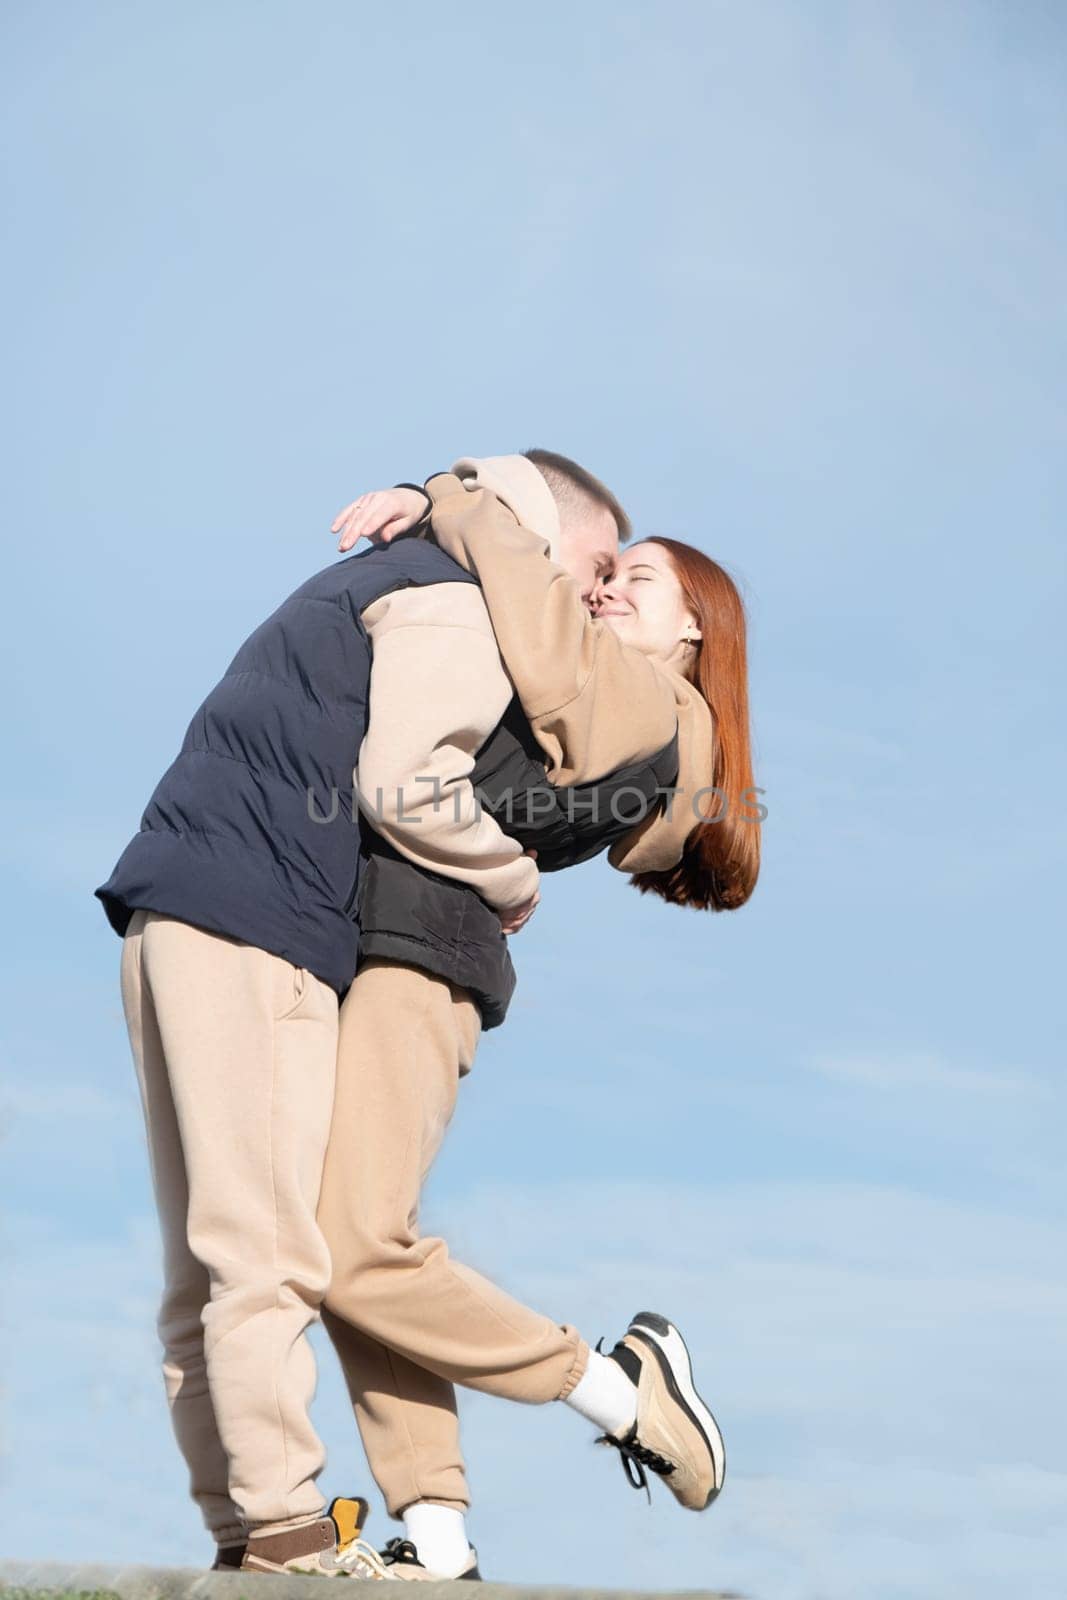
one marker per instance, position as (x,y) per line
(330,1545)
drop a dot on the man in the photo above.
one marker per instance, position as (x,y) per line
(237,908)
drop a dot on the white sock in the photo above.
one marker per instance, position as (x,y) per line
(605,1395)
(439,1534)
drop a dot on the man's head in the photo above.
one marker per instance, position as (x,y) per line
(592,523)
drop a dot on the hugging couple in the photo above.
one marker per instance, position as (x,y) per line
(315,916)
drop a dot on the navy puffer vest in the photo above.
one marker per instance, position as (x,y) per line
(228,841)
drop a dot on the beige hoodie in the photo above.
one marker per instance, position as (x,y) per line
(594,703)
(438,688)
(437,691)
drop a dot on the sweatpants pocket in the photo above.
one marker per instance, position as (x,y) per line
(291,989)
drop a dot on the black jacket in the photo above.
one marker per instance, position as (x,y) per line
(409,914)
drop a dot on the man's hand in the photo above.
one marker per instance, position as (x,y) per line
(512,921)
(379,516)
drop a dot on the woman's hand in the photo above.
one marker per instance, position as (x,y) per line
(379,516)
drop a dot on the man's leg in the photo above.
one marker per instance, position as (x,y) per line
(249,1046)
(406,1039)
(186,1287)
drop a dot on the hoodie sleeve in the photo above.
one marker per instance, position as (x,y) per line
(594,703)
(437,691)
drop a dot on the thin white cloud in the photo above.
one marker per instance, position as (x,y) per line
(907,1071)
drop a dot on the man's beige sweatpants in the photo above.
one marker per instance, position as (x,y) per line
(236,1054)
(407,1320)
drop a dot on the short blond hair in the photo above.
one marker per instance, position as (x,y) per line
(571,483)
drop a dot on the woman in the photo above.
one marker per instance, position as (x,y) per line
(667,607)
(665,603)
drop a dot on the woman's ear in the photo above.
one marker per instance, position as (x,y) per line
(690,631)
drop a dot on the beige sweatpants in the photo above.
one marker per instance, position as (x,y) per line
(235,1051)
(406,1319)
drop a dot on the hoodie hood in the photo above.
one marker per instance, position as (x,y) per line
(523,490)
(658,843)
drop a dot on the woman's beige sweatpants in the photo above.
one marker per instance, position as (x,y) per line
(236,1053)
(406,1319)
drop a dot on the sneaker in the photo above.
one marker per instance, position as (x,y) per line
(402,1560)
(675,1435)
(330,1545)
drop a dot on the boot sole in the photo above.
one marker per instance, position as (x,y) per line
(672,1354)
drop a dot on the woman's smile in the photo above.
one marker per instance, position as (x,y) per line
(642,601)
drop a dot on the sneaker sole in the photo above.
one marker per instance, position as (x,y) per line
(672,1353)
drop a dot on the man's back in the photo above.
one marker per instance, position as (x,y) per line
(229,840)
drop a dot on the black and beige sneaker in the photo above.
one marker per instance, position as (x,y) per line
(675,1435)
(330,1545)
(401,1560)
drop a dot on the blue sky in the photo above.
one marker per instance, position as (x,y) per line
(791,280)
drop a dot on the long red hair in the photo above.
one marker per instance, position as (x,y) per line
(721,861)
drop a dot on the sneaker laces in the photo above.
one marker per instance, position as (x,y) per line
(636,1457)
(359,1559)
(400,1550)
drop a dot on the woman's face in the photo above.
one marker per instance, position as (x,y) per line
(642,601)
